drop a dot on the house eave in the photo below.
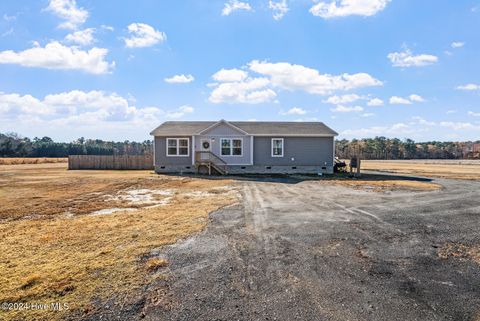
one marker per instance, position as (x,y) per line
(294,135)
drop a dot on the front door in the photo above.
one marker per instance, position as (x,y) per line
(205,146)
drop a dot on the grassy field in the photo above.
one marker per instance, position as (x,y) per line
(79,237)
(454,169)
(82,237)
(36,160)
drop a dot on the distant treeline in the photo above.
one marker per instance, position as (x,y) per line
(14,145)
(385,148)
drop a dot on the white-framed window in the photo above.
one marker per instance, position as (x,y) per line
(277,147)
(231,147)
(178,147)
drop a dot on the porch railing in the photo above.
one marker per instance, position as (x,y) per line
(208,158)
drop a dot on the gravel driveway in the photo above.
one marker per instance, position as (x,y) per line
(309,250)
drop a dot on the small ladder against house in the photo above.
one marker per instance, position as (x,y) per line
(210,161)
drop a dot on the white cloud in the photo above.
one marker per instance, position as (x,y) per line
(297,77)
(248,91)
(68,104)
(73,114)
(419,120)
(395,100)
(294,111)
(180,112)
(417,128)
(346,109)
(469,87)
(457,44)
(279,8)
(345,99)
(367,115)
(459,125)
(8,32)
(107,27)
(308,119)
(68,11)
(343,8)
(27,104)
(416,98)
(57,56)
(451,111)
(234,5)
(180,79)
(82,37)
(93,109)
(375,102)
(8,18)
(474,114)
(236,86)
(393,130)
(408,59)
(230,75)
(143,35)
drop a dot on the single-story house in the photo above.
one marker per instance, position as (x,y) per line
(249,147)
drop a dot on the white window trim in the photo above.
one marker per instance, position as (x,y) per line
(178,146)
(283,147)
(231,146)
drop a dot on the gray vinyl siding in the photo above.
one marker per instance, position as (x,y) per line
(306,151)
(161,158)
(245,159)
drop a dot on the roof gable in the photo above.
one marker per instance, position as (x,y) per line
(222,123)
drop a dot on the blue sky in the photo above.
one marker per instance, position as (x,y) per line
(117,69)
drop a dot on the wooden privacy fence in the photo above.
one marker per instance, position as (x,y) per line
(110,162)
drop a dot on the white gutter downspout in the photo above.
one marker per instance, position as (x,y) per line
(251,150)
(193,150)
(154,142)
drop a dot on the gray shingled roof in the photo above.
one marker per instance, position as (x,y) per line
(189,128)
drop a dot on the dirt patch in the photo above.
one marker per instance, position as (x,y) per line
(47,190)
(388,185)
(461,251)
(54,250)
(377,182)
(453,169)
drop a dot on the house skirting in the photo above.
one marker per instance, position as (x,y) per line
(252,169)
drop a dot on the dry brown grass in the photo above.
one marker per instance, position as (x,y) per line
(80,258)
(382,185)
(155,263)
(468,170)
(33,160)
